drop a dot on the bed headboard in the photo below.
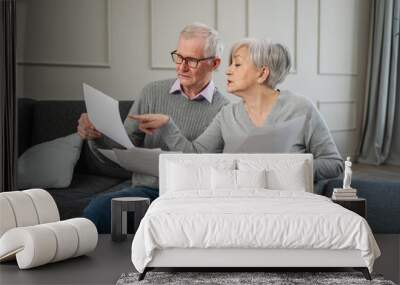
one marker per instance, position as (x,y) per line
(270,160)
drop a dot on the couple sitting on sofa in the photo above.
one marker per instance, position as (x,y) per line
(189,114)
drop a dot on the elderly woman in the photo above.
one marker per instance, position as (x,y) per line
(256,67)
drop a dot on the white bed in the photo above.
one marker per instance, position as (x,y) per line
(229,210)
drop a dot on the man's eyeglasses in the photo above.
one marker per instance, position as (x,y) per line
(191,62)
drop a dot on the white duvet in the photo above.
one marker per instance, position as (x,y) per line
(250,219)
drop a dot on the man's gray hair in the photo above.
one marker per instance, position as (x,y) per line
(213,46)
(263,52)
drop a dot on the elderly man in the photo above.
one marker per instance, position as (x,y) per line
(191,99)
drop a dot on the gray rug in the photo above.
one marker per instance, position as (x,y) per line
(243,278)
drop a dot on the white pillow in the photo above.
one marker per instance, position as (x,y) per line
(251,178)
(186,174)
(225,179)
(49,164)
(182,177)
(295,180)
(281,174)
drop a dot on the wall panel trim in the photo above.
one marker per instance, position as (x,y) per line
(105,64)
(295,32)
(351,128)
(319,72)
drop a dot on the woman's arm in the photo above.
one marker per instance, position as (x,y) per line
(328,162)
(209,141)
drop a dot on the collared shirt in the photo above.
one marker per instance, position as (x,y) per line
(207,93)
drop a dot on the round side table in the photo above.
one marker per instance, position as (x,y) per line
(119,209)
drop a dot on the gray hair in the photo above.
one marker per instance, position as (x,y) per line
(265,53)
(213,46)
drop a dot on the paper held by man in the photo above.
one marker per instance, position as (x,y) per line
(103,112)
(138,160)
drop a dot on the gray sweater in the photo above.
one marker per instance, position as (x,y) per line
(191,117)
(233,122)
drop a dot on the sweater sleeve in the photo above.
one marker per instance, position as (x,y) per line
(141,106)
(210,141)
(328,162)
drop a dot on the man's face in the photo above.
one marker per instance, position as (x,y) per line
(194,78)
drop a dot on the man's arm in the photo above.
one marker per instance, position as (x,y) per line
(210,141)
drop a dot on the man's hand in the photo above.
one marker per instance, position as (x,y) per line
(149,123)
(86,129)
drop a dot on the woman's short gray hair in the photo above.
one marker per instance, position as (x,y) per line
(265,53)
(213,46)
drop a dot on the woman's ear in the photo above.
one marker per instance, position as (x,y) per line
(263,75)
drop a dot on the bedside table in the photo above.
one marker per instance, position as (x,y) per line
(119,208)
(358,205)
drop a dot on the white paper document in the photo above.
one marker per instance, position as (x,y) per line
(103,112)
(138,160)
(278,138)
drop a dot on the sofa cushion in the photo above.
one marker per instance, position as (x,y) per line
(45,120)
(54,119)
(49,164)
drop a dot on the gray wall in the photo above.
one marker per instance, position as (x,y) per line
(118,46)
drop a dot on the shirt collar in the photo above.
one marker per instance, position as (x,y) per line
(207,93)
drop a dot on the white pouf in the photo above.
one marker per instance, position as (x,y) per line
(30,230)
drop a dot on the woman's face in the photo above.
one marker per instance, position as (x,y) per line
(242,74)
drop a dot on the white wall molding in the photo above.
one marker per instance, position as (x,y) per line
(346,122)
(345,41)
(61,63)
(247,18)
(294,28)
(163,61)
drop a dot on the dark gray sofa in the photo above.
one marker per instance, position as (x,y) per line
(42,120)
(383,200)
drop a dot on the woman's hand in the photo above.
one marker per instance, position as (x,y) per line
(149,123)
